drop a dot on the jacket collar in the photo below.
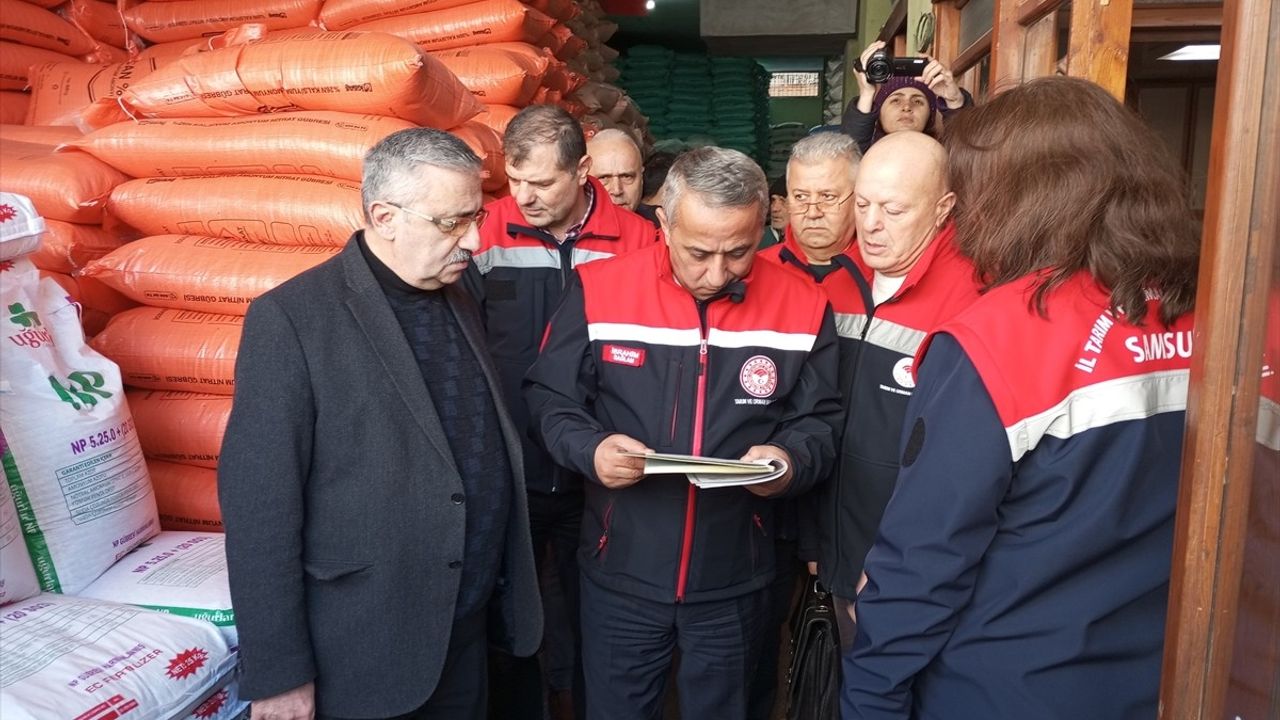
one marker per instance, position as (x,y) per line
(942,245)
(736,290)
(601,221)
(793,254)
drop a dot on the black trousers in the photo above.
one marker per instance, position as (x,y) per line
(628,644)
(555,522)
(782,594)
(463,688)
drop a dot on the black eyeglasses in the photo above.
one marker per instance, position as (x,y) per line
(451,226)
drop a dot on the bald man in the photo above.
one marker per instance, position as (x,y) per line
(617,163)
(909,278)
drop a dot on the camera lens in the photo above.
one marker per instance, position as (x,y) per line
(879,67)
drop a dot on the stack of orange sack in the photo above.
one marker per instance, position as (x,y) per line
(245,163)
(508,53)
(32,33)
(70,189)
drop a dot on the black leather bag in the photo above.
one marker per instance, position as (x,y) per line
(813,682)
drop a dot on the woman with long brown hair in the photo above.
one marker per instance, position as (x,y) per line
(1022,566)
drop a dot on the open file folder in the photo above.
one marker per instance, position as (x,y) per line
(707,472)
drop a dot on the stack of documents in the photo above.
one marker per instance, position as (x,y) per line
(706,472)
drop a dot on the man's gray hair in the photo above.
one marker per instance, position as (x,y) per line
(389,166)
(616,134)
(823,146)
(720,177)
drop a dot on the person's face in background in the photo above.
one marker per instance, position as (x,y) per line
(545,192)
(905,109)
(778,217)
(901,201)
(822,216)
(618,166)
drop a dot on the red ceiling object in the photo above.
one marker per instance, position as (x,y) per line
(624,7)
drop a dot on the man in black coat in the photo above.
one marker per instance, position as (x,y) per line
(370,479)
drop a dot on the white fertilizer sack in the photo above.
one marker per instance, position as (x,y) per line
(17,577)
(67,657)
(21,228)
(223,703)
(77,473)
(182,573)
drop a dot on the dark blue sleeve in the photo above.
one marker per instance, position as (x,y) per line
(956,468)
(560,388)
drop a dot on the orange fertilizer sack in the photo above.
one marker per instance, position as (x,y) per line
(107,55)
(496,77)
(344,14)
(241,35)
(24,23)
(244,34)
(192,272)
(71,186)
(312,142)
(39,135)
(164,349)
(99,20)
(16,61)
(273,209)
(62,91)
(363,73)
(13,107)
(180,427)
(186,496)
(563,42)
(497,117)
(67,247)
(471,24)
(97,301)
(558,9)
(487,143)
(191,19)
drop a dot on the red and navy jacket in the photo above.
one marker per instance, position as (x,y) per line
(632,352)
(877,345)
(519,275)
(1022,566)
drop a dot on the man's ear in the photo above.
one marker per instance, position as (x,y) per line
(946,204)
(584,169)
(381,219)
(663,223)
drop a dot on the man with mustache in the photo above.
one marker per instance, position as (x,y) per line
(370,477)
(556,218)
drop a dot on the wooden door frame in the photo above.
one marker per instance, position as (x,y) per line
(1241,225)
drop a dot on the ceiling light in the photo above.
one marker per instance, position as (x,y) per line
(650,5)
(1194,52)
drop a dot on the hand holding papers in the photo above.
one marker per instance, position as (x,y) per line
(706,472)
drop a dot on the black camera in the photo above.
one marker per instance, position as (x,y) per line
(881,66)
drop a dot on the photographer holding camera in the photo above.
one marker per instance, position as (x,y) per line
(900,94)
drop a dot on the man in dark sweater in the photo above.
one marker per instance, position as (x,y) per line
(371,481)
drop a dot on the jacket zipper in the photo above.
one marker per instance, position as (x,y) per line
(565,250)
(691,506)
(869,304)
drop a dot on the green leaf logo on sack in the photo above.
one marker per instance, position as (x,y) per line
(82,389)
(23,317)
(33,334)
